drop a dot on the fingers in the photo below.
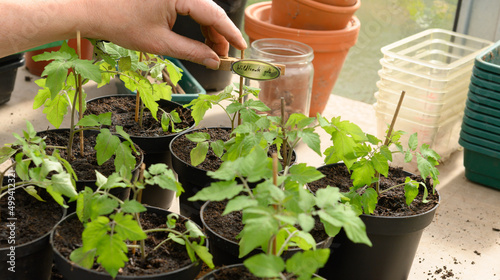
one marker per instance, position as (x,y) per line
(215,41)
(209,14)
(184,48)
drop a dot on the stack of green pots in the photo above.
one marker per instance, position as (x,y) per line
(480,135)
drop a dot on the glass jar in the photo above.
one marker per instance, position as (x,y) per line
(296,83)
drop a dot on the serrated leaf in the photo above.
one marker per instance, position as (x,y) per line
(203,253)
(265,266)
(198,137)
(87,70)
(256,105)
(83,258)
(127,227)
(32,191)
(369,200)
(380,163)
(132,206)
(94,231)
(218,147)
(111,252)
(256,234)
(306,263)
(106,145)
(218,191)
(304,174)
(311,139)
(328,196)
(306,222)
(88,120)
(6,153)
(55,109)
(102,205)
(413,141)
(62,183)
(124,157)
(239,203)
(362,173)
(56,73)
(124,63)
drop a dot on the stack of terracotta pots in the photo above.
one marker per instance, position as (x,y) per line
(327,26)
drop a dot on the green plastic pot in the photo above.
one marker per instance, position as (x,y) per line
(486,75)
(480,110)
(484,83)
(481,125)
(489,59)
(484,91)
(473,111)
(492,144)
(481,133)
(481,164)
(484,101)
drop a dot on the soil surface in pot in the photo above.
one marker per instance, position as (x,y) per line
(34,218)
(230,225)
(391,203)
(84,166)
(182,148)
(123,114)
(170,256)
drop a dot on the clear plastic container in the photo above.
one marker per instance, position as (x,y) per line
(441,138)
(425,92)
(419,116)
(435,52)
(391,96)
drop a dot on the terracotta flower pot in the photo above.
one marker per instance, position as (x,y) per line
(36,68)
(330,48)
(311,14)
(343,3)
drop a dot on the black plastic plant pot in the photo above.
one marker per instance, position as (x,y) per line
(156,150)
(70,270)
(235,268)
(226,252)
(32,260)
(395,241)
(121,193)
(192,179)
(8,73)
(211,80)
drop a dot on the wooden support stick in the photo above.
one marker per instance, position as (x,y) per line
(79,87)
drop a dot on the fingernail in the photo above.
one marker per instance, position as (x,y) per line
(211,63)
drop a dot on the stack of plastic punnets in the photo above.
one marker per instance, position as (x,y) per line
(480,135)
(433,67)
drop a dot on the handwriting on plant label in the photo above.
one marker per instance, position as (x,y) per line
(256,70)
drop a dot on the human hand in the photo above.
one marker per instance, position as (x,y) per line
(147,26)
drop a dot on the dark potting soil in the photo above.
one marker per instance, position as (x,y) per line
(230,225)
(182,148)
(84,166)
(34,218)
(123,114)
(391,203)
(169,257)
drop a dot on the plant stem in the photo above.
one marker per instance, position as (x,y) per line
(240,97)
(79,88)
(138,97)
(285,138)
(72,127)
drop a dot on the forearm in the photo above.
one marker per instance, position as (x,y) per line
(41,22)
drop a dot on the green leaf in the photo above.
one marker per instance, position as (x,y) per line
(256,234)
(199,153)
(62,184)
(83,258)
(87,70)
(31,190)
(124,157)
(306,222)
(218,191)
(218,147)
(411,190)
(362,173)
(203,254)
(127,227)
(112,253)
(304,174)
(256,105)
(198,137)
(165,122)
(42,95)
(265,266)
(94,231)
(311,139)
(6,153)
(413,142)
(380,163)
(239,203)
(56,72)
(369,200)
(306,263)
(55,109)
(327,196)
(408,156)
(124,63)
(102,205)
(121,132)
(132,206)
(106,145)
